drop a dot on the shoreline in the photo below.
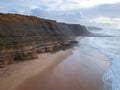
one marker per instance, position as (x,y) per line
(83,70)
(80,68)
(13,75)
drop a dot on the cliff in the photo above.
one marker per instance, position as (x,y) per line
(23,37)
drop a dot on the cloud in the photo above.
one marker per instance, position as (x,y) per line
(103,20)
(60,16)
(78,4)
(107,10)
(109,22)
(53,4)
(69,11)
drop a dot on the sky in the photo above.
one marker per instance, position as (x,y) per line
(100,13)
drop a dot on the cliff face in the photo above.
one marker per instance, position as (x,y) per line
(22,37)
(78,30)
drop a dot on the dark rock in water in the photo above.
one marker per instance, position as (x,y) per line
(23,37)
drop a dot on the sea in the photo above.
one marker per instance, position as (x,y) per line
(109,46)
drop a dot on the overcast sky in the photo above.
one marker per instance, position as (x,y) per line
(101,13)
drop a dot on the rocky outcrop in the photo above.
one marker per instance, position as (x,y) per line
(23,37)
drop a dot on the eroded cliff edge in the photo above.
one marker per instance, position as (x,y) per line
(23,37)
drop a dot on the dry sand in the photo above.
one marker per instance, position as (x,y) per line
(14,75)
(82,70)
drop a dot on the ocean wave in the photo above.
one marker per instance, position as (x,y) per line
(111,77)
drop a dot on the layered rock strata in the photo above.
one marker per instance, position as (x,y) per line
(23,37)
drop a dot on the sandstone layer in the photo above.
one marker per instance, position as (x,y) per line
(23,37)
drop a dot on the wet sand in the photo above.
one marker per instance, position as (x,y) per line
(82,70)
(12,76)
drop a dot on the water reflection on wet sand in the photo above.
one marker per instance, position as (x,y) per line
(81,71)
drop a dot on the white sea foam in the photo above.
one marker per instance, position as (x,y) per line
(111,77)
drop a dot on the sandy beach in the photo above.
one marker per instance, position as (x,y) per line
(78,69)
(83,70)
(14,75)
